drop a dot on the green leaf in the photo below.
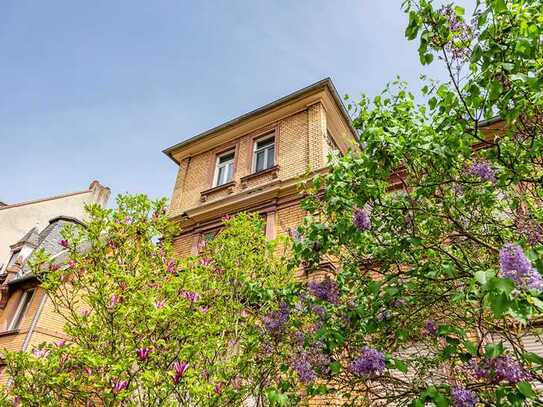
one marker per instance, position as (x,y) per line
(500,5)
(459,10)
(335,367)
(526,389)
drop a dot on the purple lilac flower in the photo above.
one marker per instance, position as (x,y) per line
(361,219)
(530,229)
(179,369)
(119,385)
(143,353)
(303,368)
(483,170)
(431,327)
(516,266)
(463,397)
(275,321)
(326,290)
(383,315)
(499,369)
(299,338)
(40,353)
(191,296)
(371,362)
(320,311)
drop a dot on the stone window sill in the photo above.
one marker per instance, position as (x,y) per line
(229,187)
(274,171)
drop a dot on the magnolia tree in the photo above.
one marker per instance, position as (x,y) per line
(435,224)
(146,328)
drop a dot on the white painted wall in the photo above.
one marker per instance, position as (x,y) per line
(17,219)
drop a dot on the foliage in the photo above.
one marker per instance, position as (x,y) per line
(147,328)
(435,224)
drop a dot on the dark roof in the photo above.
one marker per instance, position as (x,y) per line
(323,82)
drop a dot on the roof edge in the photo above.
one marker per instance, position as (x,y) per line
(326,82)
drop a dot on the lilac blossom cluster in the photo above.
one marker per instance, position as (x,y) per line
(463,397)
(499,369)
(482,170)
(361,219)
(275,321)
(302,366)
(310,362)
(326,290)
(458,47)
(532,230)
(370,362)
(516,266)
(431,327)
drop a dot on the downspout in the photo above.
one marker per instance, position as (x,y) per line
(37,315)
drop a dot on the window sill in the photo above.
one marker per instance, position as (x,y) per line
(272,170)
(9,332)
(229,186)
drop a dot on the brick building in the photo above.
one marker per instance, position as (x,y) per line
(27,318)
(255,162)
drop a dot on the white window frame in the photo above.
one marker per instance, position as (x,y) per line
(225,164)
(266,155)
(22,307)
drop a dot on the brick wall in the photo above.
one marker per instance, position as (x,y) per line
(300,142)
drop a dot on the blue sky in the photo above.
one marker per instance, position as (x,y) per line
(96,89)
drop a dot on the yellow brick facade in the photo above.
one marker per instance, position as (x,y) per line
(303,125)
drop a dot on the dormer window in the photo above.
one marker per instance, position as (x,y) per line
(13,257)
(224,170)
(264,153)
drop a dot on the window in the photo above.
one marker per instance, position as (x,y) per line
(224,171)
(13,258)
(24,302)
(264,154)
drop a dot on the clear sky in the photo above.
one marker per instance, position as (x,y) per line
(97,89)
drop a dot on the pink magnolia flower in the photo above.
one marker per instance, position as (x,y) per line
(119,385)
(218,388)
(179,369)
(71,264)
(205,374)
(88,370)
(159,304)
(218,271)
(236,383)
(115,300)
(171,266)
(54,267)
(64,243)
(191,296)
(226,218)
(123,286)
(60,343)
(143,353)
(204,309)
(85,312)
(40,353)
(205,262)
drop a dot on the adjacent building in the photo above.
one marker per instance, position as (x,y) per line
(27,318)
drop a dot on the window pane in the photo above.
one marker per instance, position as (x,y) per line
(259,166)
(220,176)
(227,157)
(265,143)
(21,309)
(230,175)
(271,157)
